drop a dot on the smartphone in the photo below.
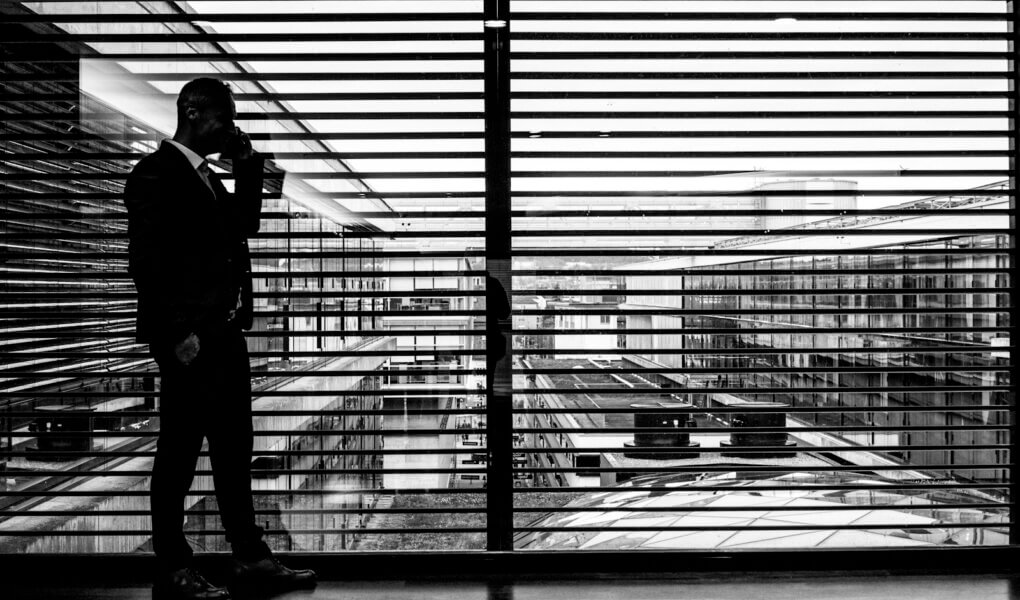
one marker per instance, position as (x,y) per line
(233,144)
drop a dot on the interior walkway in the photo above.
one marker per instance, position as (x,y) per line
(714,586)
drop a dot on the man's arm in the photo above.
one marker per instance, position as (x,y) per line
(248,180)
(150,252)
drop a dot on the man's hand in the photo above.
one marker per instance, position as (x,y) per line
(187,349)
(239,146)
(244,149)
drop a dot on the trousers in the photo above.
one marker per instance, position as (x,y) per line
(208,399)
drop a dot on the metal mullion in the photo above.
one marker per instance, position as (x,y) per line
(286,17)
(765,409)
(930,193)
(255,413)
(90,293)
(905,114)
(265,313)
(305,57)
(254,354)
(710,509)
(380,254)
(283,511)
(655,250)
(724,468)
(672,469)
(583,134)
(256,492)
(744,528)
(206,532)
(152,453)
(310,155)
(652,450)
(320,175)
(546,194)
(448,530)
(129,334)
(121,235)
(89,37)
(330,373)
(788,330)
(798,173)
(791,330)
(757,16)
(742,351)
(723,271)
(276,472)
(266,17)
(1014,449)
(543,213)
(74,276)
(612,54)
(722,94)
(755,390)
(551,509)
(87,156)
(450,432)
(562,251)
(457,76)
(919,369)
(292,76)
(763,292)
(731,75)
(720,488)
(273,274)
(472,313)
(745,430)
(498,255)
(312,492)
(283,374)
(281,294)
(532,114)
(767,311)
(731,94)
(532,55)
(759,154)
(754,133)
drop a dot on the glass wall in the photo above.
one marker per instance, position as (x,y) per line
(759,274)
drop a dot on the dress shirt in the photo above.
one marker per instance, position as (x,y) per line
(200,164)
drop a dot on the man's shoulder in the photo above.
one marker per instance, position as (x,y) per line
(157,162)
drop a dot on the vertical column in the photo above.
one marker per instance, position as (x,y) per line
(1014,489)
(499,498)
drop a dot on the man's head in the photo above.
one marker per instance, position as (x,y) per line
(205,115)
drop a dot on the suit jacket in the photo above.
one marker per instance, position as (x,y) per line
(188,246)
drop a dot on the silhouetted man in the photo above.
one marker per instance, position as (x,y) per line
(190,263)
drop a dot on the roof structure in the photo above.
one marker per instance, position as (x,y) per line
(812,514)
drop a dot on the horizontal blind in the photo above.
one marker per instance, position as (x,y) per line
(367,351)
(762,281)
(761,277)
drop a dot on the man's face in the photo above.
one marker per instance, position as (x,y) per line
(213,126)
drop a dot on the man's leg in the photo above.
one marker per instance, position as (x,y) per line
(177,450)
(230,446)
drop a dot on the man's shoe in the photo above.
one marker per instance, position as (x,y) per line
(186,584)
(269,573)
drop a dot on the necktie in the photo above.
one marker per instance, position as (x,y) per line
(204,172)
